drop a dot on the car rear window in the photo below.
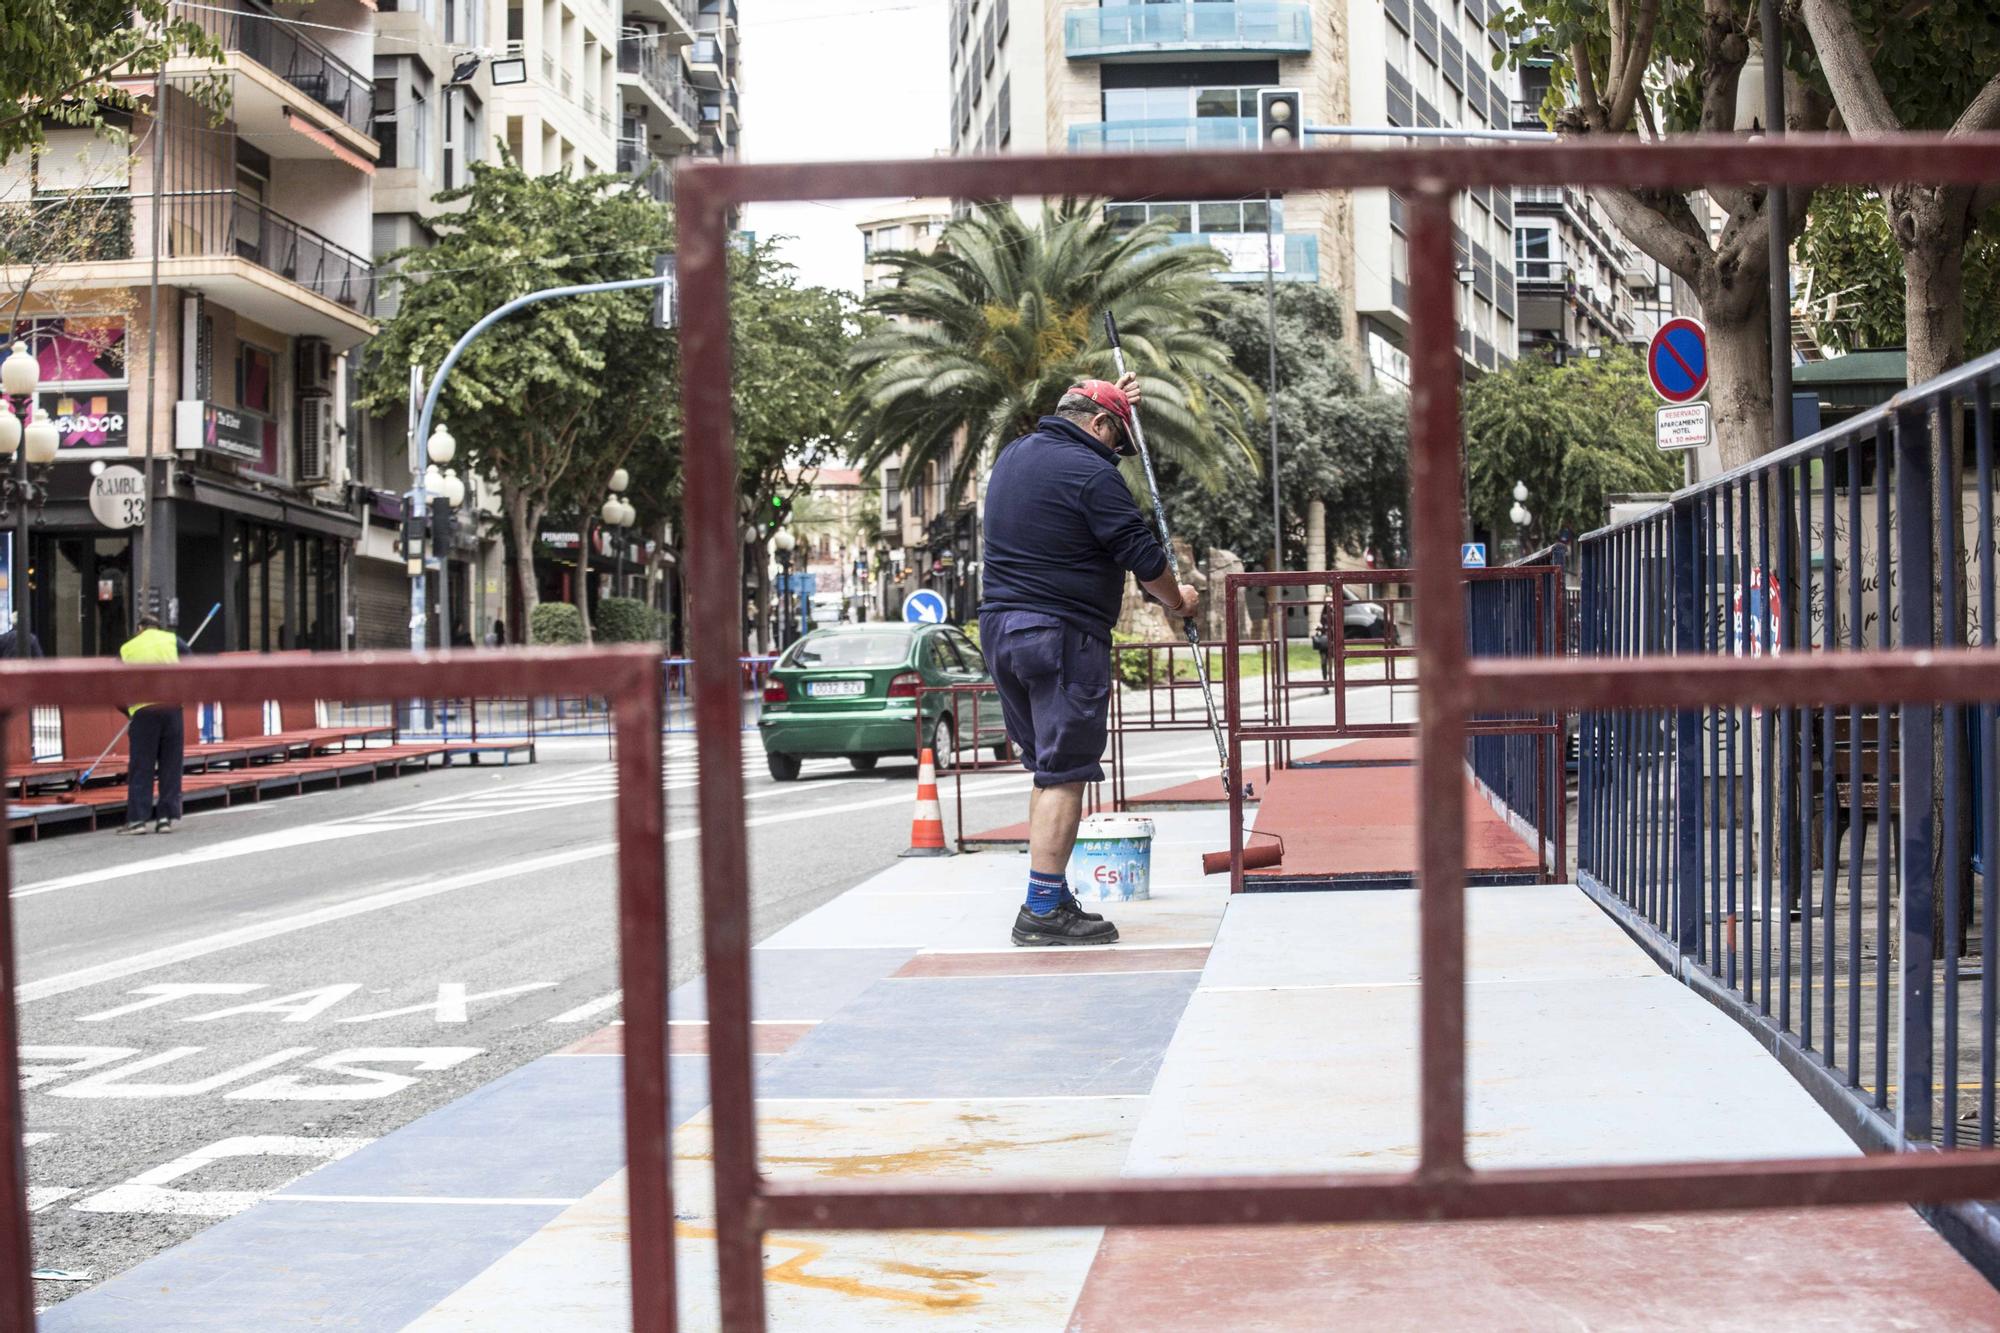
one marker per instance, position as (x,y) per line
(848,650)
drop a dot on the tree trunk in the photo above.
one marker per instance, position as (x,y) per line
(1934,316)
(523,518)
(582,589)
(1739,355)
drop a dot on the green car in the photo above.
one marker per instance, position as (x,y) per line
(852,691)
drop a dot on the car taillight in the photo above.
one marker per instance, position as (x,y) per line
(905,686)
(774,692)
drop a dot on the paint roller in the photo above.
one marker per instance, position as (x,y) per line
(1262,856)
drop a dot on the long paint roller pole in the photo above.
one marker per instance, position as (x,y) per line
(128,721)
(1173,560)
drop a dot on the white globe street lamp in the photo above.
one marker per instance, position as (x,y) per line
(620,479)
(10,430)
(442,448)
(1521,492)
(454,488)
(42,438)
(20,373)
(613,513)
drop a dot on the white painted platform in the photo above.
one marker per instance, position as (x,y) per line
(1299,1050)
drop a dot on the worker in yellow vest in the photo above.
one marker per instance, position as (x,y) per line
(158,739)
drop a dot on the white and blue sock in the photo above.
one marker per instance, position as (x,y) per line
(1045,891)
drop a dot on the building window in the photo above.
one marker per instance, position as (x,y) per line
(892,493)
(1535,253)
(917,494)
(385,124)
(1006,113)
(420,132)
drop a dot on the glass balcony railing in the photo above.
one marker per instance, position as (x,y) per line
(1209,26)
(259,33)
(1249,258)
(1126,136)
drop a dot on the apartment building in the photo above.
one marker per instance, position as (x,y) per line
(257,226)
(1582,285)
(1065,77)
(563,85)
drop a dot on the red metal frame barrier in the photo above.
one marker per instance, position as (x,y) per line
(628,677)
(1172,686)
(1452,688)
(1508,723)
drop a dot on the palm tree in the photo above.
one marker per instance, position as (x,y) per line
(986,333)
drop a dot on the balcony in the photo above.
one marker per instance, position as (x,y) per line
(267,266)
(676,18)
(644,67)
(1206,27)
(1124,136)
(704,63)
(650,173)
(1541,275)
(1249,257)
(285,73)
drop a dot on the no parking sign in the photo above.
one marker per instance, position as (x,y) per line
(1677,360)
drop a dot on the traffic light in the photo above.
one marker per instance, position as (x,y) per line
(776,518)
(1280,122)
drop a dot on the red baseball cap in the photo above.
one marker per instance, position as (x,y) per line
(1113,400)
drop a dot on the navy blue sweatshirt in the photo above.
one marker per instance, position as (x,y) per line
(1062,529)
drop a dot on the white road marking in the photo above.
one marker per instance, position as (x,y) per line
(41,1196)
(168,992)
(46,1064)
(451,1002)
(298,1007)
(590,1009)
(147,1192)
(113,1084)
(425,1200)
(371,1084)
(30,1140)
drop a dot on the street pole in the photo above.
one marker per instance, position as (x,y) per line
(142,595)
(1271,397)
(19,573)
(1776,207)
(417,511)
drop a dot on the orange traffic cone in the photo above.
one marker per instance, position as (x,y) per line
(927,825)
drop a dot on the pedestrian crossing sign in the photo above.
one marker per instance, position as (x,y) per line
(1472,555)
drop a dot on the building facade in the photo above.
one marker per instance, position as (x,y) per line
(619,86)
(1049,76)
(256,226)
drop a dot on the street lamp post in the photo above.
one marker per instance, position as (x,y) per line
(784,543)
(445,484)
(1519,513)
(36,443)
(617,515)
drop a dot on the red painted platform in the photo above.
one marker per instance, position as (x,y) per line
(1204,791)
(1833,1268)
(1362,823)
(1374,752)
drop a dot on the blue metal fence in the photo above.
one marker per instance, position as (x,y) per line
(1815,870)
(1523,615)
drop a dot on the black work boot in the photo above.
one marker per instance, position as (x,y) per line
(1069,900)
(1063,924)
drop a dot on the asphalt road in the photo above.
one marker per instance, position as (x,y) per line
(210,1014)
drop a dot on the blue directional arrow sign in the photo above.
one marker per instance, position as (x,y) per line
(924,607)
(1472,555)
(1677,360)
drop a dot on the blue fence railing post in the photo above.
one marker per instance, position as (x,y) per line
(1917,937)
(1686,821)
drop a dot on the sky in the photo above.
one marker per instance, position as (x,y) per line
(837,79)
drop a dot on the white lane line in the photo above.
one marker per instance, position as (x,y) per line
(590,1009)
(423,1200)
(230,939)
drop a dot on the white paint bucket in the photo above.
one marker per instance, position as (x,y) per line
(1113,860)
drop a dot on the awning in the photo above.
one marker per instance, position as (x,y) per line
(277,510)
(331,144)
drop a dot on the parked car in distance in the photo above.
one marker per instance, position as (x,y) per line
(853,691)
(1366,620)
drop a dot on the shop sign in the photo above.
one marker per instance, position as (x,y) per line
(90,420)
(118,497)
(214,429)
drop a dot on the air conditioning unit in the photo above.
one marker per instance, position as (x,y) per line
(317,432)
(316,366)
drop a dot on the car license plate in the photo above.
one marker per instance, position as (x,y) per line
(836,689)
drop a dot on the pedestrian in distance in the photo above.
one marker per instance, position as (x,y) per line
(1062,531)
(497,636)
(157,744)
(10,644)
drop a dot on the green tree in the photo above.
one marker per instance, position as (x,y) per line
(1674,68)
(987,332)
(549,401)
(1932,66)
(1574,433)
(1853,293)
(1338,442)
(59,58)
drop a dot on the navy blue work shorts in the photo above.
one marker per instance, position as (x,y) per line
(1055,690)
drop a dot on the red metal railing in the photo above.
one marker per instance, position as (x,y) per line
(1172,698)
(628,677)
(1545,729)
(1452,688)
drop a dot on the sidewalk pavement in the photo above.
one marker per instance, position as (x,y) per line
(903,1038)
